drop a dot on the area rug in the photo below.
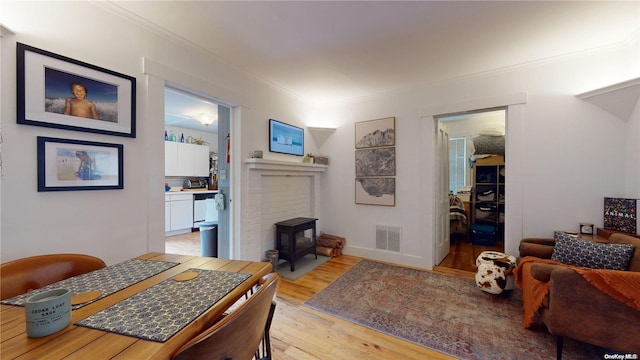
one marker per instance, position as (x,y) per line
(444,313)
(303,266)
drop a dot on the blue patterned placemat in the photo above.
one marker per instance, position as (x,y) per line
(107,280)
(165,308)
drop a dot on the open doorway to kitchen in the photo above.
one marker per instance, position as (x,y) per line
(197,220)
(472,165)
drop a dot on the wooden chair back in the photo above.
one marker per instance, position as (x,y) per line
(237,336)
(26,274)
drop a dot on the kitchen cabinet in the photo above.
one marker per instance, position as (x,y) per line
(182,159)
(178,211)
(170,158)
(201,160)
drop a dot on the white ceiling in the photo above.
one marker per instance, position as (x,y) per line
(331,51)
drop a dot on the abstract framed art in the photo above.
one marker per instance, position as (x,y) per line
(376,133)
(376,191)
(67,165)
(60,92)
(376,162)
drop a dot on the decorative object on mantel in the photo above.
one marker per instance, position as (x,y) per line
(375,162)
(59,92)
(308,158)
(321,159)
(255,154)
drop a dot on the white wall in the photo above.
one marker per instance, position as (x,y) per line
(632,188)
(570,154)
(115,224)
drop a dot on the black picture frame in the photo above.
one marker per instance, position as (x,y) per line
(50,94)
(70,165)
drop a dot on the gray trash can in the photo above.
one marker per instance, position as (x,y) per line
(208,239)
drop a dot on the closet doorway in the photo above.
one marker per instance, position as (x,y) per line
(475,173)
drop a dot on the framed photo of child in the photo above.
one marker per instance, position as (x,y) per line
(68,164)
(60,92)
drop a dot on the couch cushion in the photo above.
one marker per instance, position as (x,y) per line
(618,238)
(574,251)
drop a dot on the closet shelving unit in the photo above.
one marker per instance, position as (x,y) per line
(488,195)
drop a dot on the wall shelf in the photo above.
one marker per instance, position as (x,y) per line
(617,99)
(320,134)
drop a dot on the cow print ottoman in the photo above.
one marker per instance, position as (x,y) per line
(495,272)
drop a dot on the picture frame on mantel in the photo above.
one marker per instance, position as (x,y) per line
(59,92)
(68,165)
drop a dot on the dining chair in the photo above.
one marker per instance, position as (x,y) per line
(238,335)
(30,273)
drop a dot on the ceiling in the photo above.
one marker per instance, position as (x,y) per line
(324,52)
(182,110)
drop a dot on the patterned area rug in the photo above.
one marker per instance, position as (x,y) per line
(440,312)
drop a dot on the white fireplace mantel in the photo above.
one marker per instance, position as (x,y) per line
(265,164)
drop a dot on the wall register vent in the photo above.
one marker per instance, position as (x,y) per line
(388,237)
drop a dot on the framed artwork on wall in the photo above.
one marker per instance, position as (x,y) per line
(376,191)
(376,133)
(376,162)
(67,165)
(60,92)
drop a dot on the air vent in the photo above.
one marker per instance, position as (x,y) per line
(388,237)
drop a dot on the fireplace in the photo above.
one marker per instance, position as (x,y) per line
(276,191)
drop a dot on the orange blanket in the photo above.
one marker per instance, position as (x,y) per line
(623,286)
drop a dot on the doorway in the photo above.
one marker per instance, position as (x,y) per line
(473,166)
(200,120)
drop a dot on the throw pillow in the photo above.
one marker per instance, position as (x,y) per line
(571,250)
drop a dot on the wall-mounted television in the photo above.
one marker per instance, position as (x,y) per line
(285,138)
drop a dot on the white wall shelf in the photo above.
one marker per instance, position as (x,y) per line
(617,99)
(320,134)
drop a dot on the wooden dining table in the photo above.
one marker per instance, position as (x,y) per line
(78,342)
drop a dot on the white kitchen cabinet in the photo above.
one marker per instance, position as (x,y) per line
(186,160)
(182,159)
(201,160)
(167,214)
(178,211)
(170,158)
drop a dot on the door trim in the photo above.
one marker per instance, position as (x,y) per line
(515,143)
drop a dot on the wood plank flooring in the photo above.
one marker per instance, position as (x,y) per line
(300,333)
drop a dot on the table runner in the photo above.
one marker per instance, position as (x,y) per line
(107,280)
(164,309)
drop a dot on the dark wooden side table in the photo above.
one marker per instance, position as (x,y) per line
(291,247)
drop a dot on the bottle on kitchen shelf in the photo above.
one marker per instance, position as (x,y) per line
(182,137)
(166,137)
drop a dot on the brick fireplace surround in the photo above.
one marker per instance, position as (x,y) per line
(276,191)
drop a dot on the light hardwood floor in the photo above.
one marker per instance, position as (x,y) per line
(300,333)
